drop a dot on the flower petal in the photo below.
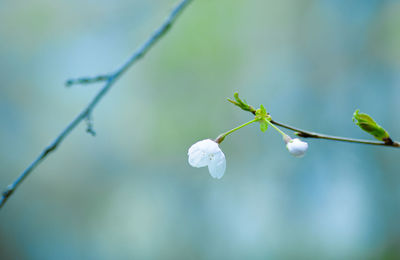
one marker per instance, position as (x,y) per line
(217,165)
(208,146)
(197,158)
(201,153)
(297,147)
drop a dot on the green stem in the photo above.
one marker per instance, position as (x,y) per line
(277,129)
(221,137)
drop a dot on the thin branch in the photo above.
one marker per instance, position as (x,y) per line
(85,113)
(87,80)
(307,134)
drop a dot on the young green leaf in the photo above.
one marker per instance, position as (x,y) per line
(366,123)
(263,125)
(261,112)
(241,103)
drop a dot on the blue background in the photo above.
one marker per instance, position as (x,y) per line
(129,193)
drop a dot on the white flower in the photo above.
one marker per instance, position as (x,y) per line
(296,147)
(207,153)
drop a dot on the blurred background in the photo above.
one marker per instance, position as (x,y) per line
(129,193)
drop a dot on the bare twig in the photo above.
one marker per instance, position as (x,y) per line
(85,113)
(307,134)
(87,80)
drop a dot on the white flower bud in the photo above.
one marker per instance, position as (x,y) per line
(296,147)
(207,153)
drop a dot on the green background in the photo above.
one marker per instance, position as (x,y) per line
(129,193)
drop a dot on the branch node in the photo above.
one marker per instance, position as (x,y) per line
(304,134)
(7,192)
(87,80)
(388,141)
(89,125)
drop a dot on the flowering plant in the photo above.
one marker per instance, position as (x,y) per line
(208,153)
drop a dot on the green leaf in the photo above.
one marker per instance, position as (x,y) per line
(233,102)
(236,96)
(263,125)
(261,112)
(241,103)
(366,123)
